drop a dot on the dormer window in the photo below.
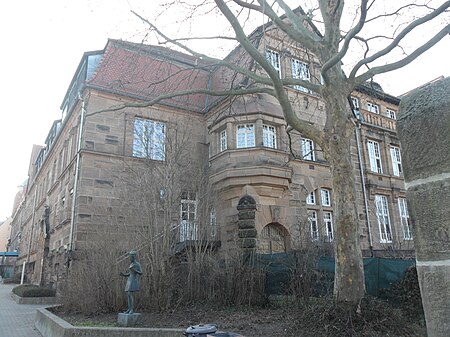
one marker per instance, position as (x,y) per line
(274,59)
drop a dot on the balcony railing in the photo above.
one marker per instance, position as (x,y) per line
(379,120)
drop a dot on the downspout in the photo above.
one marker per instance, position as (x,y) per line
(77,173)
(31,236)
(363,182)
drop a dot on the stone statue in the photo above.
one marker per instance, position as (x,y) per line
(133,274)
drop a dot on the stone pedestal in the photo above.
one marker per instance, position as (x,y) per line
(424,130)
(247,231)
(128,319)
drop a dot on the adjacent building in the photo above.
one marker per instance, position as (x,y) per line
(115,169)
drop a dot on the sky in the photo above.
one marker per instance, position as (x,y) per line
(42,44)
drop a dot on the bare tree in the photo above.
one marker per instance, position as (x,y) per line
(329,36)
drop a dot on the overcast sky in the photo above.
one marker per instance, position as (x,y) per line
(42,44)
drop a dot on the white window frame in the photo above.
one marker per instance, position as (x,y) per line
(404,219)
(311,198)
(149,139)
(188,216)
(245,136)
(391,114)
(372,107)
(274,59)
(300,70)
(269,136)
(355,102)
(313,225)
(328,223)
(308,149)
(396,158)
(374,156)
(223,140)
(325,197)
(384,223)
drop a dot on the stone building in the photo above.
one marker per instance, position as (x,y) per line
(109,174)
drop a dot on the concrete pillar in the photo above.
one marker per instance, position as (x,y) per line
(424,131)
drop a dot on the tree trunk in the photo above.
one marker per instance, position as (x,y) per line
(339,132)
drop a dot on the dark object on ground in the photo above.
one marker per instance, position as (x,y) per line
(31,290)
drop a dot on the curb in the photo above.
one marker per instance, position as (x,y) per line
(34,300)
(50,325)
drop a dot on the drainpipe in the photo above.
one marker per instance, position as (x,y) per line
(77,172)
(31,236)
(363,183)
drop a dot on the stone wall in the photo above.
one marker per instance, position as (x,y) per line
(424,130)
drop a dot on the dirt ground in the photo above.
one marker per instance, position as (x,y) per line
(378,319)
(245,321)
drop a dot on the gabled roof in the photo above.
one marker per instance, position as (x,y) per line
(375,90)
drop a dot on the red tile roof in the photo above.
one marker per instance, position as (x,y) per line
(146,72)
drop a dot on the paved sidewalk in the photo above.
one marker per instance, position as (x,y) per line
(16,320)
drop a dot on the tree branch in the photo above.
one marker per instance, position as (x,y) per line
(351,34)
(300,34)
(399,37)
(408,59)
(278,85)
(237,92)
(219,62)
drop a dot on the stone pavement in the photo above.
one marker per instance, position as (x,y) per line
(16,320)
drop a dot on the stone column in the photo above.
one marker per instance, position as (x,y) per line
(247,231)
(424,131)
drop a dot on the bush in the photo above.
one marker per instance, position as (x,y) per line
(31,290)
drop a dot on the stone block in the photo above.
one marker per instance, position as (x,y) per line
(246,214)
(247,233)
(124,319)
(246,224)
(429,213)
(435,291)
(248,243)
(425,149)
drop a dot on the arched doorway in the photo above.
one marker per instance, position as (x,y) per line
(273,239)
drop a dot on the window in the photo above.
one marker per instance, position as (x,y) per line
(374,156)
(223,140)
(328,222)
(149,139)
(311,198)
(373,108)
(355,102)
(274,59)
(300,70)
(391,114)
(213,223)
(396,161)
(188,227)
(245,136)
(382,214)
(269,136)
(308,149)
(404,219)
(314,227)
(325,196)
